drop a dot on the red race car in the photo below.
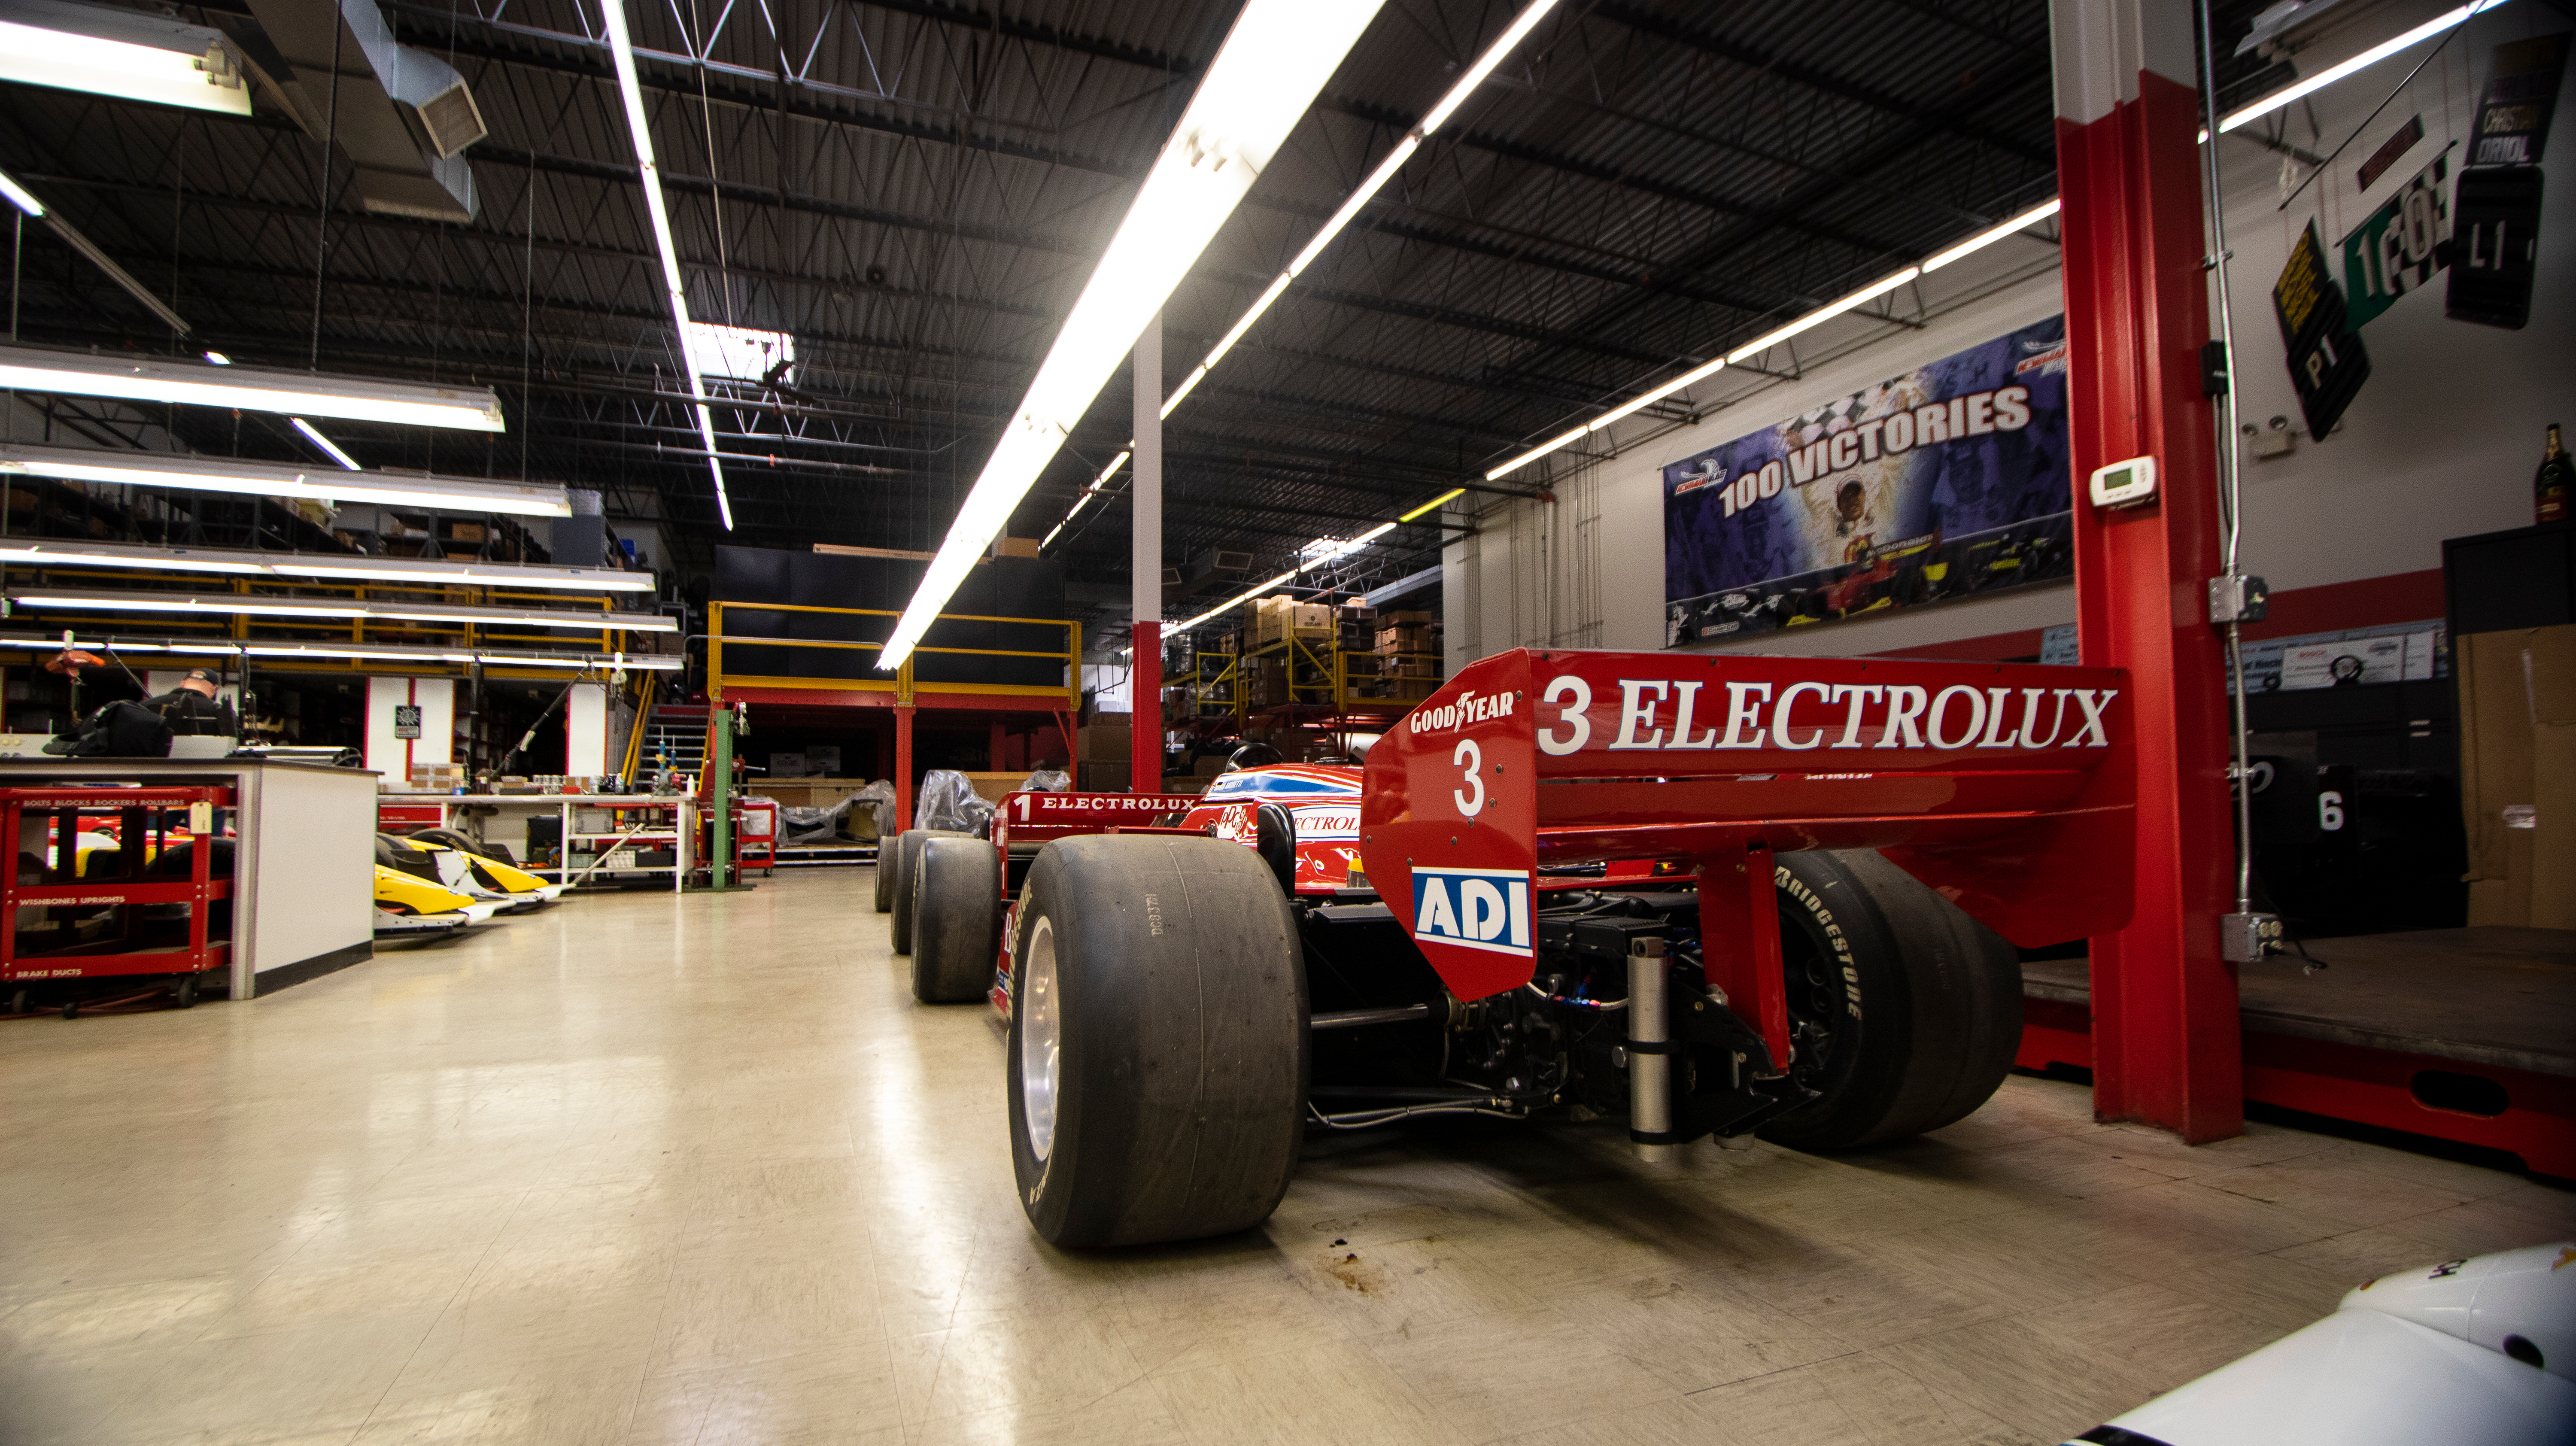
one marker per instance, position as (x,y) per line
(1717,894)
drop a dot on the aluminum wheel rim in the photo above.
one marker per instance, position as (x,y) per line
(1040,1031)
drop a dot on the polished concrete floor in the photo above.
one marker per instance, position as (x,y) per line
(655,1170)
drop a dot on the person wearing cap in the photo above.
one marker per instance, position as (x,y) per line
(192,709)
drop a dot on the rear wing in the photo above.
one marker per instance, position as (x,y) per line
(2009,788)
(1037,817)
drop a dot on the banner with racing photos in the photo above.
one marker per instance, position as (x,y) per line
(1944,482)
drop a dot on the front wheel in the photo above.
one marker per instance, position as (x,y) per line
(1904,1011)
(1157,1060)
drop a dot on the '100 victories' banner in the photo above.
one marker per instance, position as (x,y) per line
(1946,481)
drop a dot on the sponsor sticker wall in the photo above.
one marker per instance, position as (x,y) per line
(1947,481)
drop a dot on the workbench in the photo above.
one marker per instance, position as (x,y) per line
(304,849)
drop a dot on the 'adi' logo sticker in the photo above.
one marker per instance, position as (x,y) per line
(1473,908)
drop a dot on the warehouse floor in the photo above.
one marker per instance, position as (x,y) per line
(655,1170)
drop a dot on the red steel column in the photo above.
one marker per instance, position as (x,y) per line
(1145,682)
(902,766)
(2165,1042)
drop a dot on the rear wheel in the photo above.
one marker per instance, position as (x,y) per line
(907,859)
(884,870)
(956,920)
(1904,1011)
(1157,1061)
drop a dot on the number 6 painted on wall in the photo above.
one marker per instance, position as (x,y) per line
(1470,758)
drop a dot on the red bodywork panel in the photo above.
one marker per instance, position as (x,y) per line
(2006,787)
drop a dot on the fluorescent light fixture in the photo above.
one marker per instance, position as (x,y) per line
(1314,554)
(260,479)
(1367,190)
(161,379)
(1485,64)
(1990,236)
(1439,501)
(1640,402)
(49,552)
(246,604)
(332,450)
(123,53)
(1083,498)
(1278,55)
(1541,450)
(1238,600)
(219,359)
(1825,313)
(24,199)
(621,48)
(366,652)
(73,237)
(2328,76)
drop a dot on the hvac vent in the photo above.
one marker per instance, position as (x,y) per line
(1233,561)
(452,120)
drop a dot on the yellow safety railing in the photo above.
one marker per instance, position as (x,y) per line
(356,631)
(901,686)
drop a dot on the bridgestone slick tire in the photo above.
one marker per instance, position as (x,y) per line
(1929,1013)
(907,863)
(956,920)
(1167,974)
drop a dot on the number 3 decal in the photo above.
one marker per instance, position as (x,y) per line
(1470,758)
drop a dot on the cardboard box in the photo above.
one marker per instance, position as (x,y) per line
(1015,547)
(1209,766)
(1393,619)
(994,786)
(2518,774)
(465,531)
(1184,783)
(1104,743)
(789,765)
(1104,777)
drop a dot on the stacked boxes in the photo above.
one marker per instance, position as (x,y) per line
(437,777)
(1281,619)
(1408,645)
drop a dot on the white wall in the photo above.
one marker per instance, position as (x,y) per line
(2441,442)
(393,757)
(586,730)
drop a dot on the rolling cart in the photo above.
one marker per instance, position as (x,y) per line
(113,882)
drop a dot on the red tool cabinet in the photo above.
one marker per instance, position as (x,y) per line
(166,854)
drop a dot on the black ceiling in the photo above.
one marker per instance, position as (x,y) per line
(916,190)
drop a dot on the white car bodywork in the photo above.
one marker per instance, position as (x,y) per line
(2476,1352)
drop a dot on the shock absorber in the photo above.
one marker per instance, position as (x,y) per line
(1650,1051)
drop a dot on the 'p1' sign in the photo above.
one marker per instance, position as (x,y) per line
(1473,908)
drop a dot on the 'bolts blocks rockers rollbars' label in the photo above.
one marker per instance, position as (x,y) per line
(2004,786)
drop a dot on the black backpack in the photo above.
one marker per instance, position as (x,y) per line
(118,730)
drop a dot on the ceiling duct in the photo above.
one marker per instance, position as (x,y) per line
(1217,566)
(403,116)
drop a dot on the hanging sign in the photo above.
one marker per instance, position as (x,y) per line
(2521,94)
(2327,364)
(1943,481)
(2495,246)
(406,720)
(2389,150)
(2399,246)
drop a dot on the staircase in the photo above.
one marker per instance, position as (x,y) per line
(676,732)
